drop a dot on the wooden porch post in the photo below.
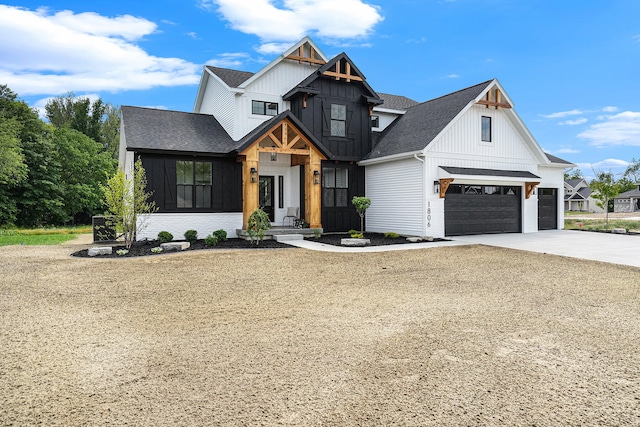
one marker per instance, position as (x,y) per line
(312,192)
(249,189)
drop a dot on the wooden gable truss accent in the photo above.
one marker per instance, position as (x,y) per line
(444,186)
(347,74)
(528,188)
(283,138)
(302,56)
(494,99)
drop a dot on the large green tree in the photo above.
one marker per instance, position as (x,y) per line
(86,167)
(98,120)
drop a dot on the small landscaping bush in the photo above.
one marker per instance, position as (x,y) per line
(391,235)
(221,235)
(165,237)
(357,236)
(257,224)
(156,250)
(191,235)
(211,240)
(352,232)
(122,252)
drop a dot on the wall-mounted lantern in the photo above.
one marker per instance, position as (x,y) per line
(254,175)
(316,177)
(436,187)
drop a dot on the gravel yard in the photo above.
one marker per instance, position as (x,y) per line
(466,335)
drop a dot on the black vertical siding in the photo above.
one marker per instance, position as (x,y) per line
(226,182)
(344,218)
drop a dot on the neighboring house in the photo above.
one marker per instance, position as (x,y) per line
(577,196)
(629,201)
(309,132)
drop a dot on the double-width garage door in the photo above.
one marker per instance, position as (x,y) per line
(482,209)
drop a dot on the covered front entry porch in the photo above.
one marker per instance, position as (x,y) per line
(281,169)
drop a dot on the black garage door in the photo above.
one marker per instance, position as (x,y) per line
(482,209)
(547,208)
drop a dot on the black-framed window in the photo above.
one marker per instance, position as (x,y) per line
(335,187)
(194,183)
(375,121)
(264,108)
(486,129)
(338,120)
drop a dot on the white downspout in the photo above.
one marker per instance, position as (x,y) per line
(423,195)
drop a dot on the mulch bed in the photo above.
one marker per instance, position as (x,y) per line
(143,248)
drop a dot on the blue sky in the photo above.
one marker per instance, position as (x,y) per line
(571,67)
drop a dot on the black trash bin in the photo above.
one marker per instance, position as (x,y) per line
(104,228)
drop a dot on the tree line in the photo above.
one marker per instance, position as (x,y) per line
(52,172)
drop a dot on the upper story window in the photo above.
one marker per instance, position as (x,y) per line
(338,120)
(264,108)
(375,121)
(486,129)
(193,184)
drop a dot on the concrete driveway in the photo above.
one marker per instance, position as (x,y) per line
(612,248)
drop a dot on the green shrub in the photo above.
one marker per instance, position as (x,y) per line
(191,235)
(357,235)
(317,233)
(391,235)
(257,224)
(221,235)
(211,240)
(165,237)
(156,250)
(352,231)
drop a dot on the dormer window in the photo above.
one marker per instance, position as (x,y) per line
(264,108)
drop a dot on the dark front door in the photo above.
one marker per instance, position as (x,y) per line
(481,209)
(266,197)
(547,208)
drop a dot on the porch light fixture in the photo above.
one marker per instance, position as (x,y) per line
(436,187)
(316,177)
(274,155)
(254,175)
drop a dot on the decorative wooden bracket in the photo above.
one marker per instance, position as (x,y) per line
(495,100)
(528,188)
(311,59)
(444,186)
(346,75)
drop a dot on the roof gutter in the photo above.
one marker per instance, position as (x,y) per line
(390,158)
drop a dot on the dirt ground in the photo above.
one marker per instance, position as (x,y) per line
(461,336)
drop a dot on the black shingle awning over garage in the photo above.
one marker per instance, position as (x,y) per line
(519,175)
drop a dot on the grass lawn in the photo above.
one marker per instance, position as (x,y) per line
(599,224)
(41,236)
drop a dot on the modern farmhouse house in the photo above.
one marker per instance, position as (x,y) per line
(307,133)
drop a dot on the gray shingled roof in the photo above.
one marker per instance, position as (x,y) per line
(423,122)
(148,129)
(396,102)
(554,159)
(572,182)
(233,78)
(488,172)
(631,193)
(584,192)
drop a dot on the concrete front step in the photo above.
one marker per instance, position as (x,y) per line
(288,237)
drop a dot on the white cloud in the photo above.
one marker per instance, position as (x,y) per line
(566,151)
(610,109)
(50,54)
(575,122)
(290,20)
(562,114)
(452,76)
(605,164)
(229,60)
(636,38)
(619,129)
(193,35)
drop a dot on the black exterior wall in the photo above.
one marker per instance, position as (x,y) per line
(344,218)
(226,182)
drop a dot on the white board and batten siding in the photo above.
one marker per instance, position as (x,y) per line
(219,102)
(395,189)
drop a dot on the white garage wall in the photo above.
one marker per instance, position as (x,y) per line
(396,193)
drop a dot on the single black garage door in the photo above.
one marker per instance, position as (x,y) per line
(547,208)
(482,209)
